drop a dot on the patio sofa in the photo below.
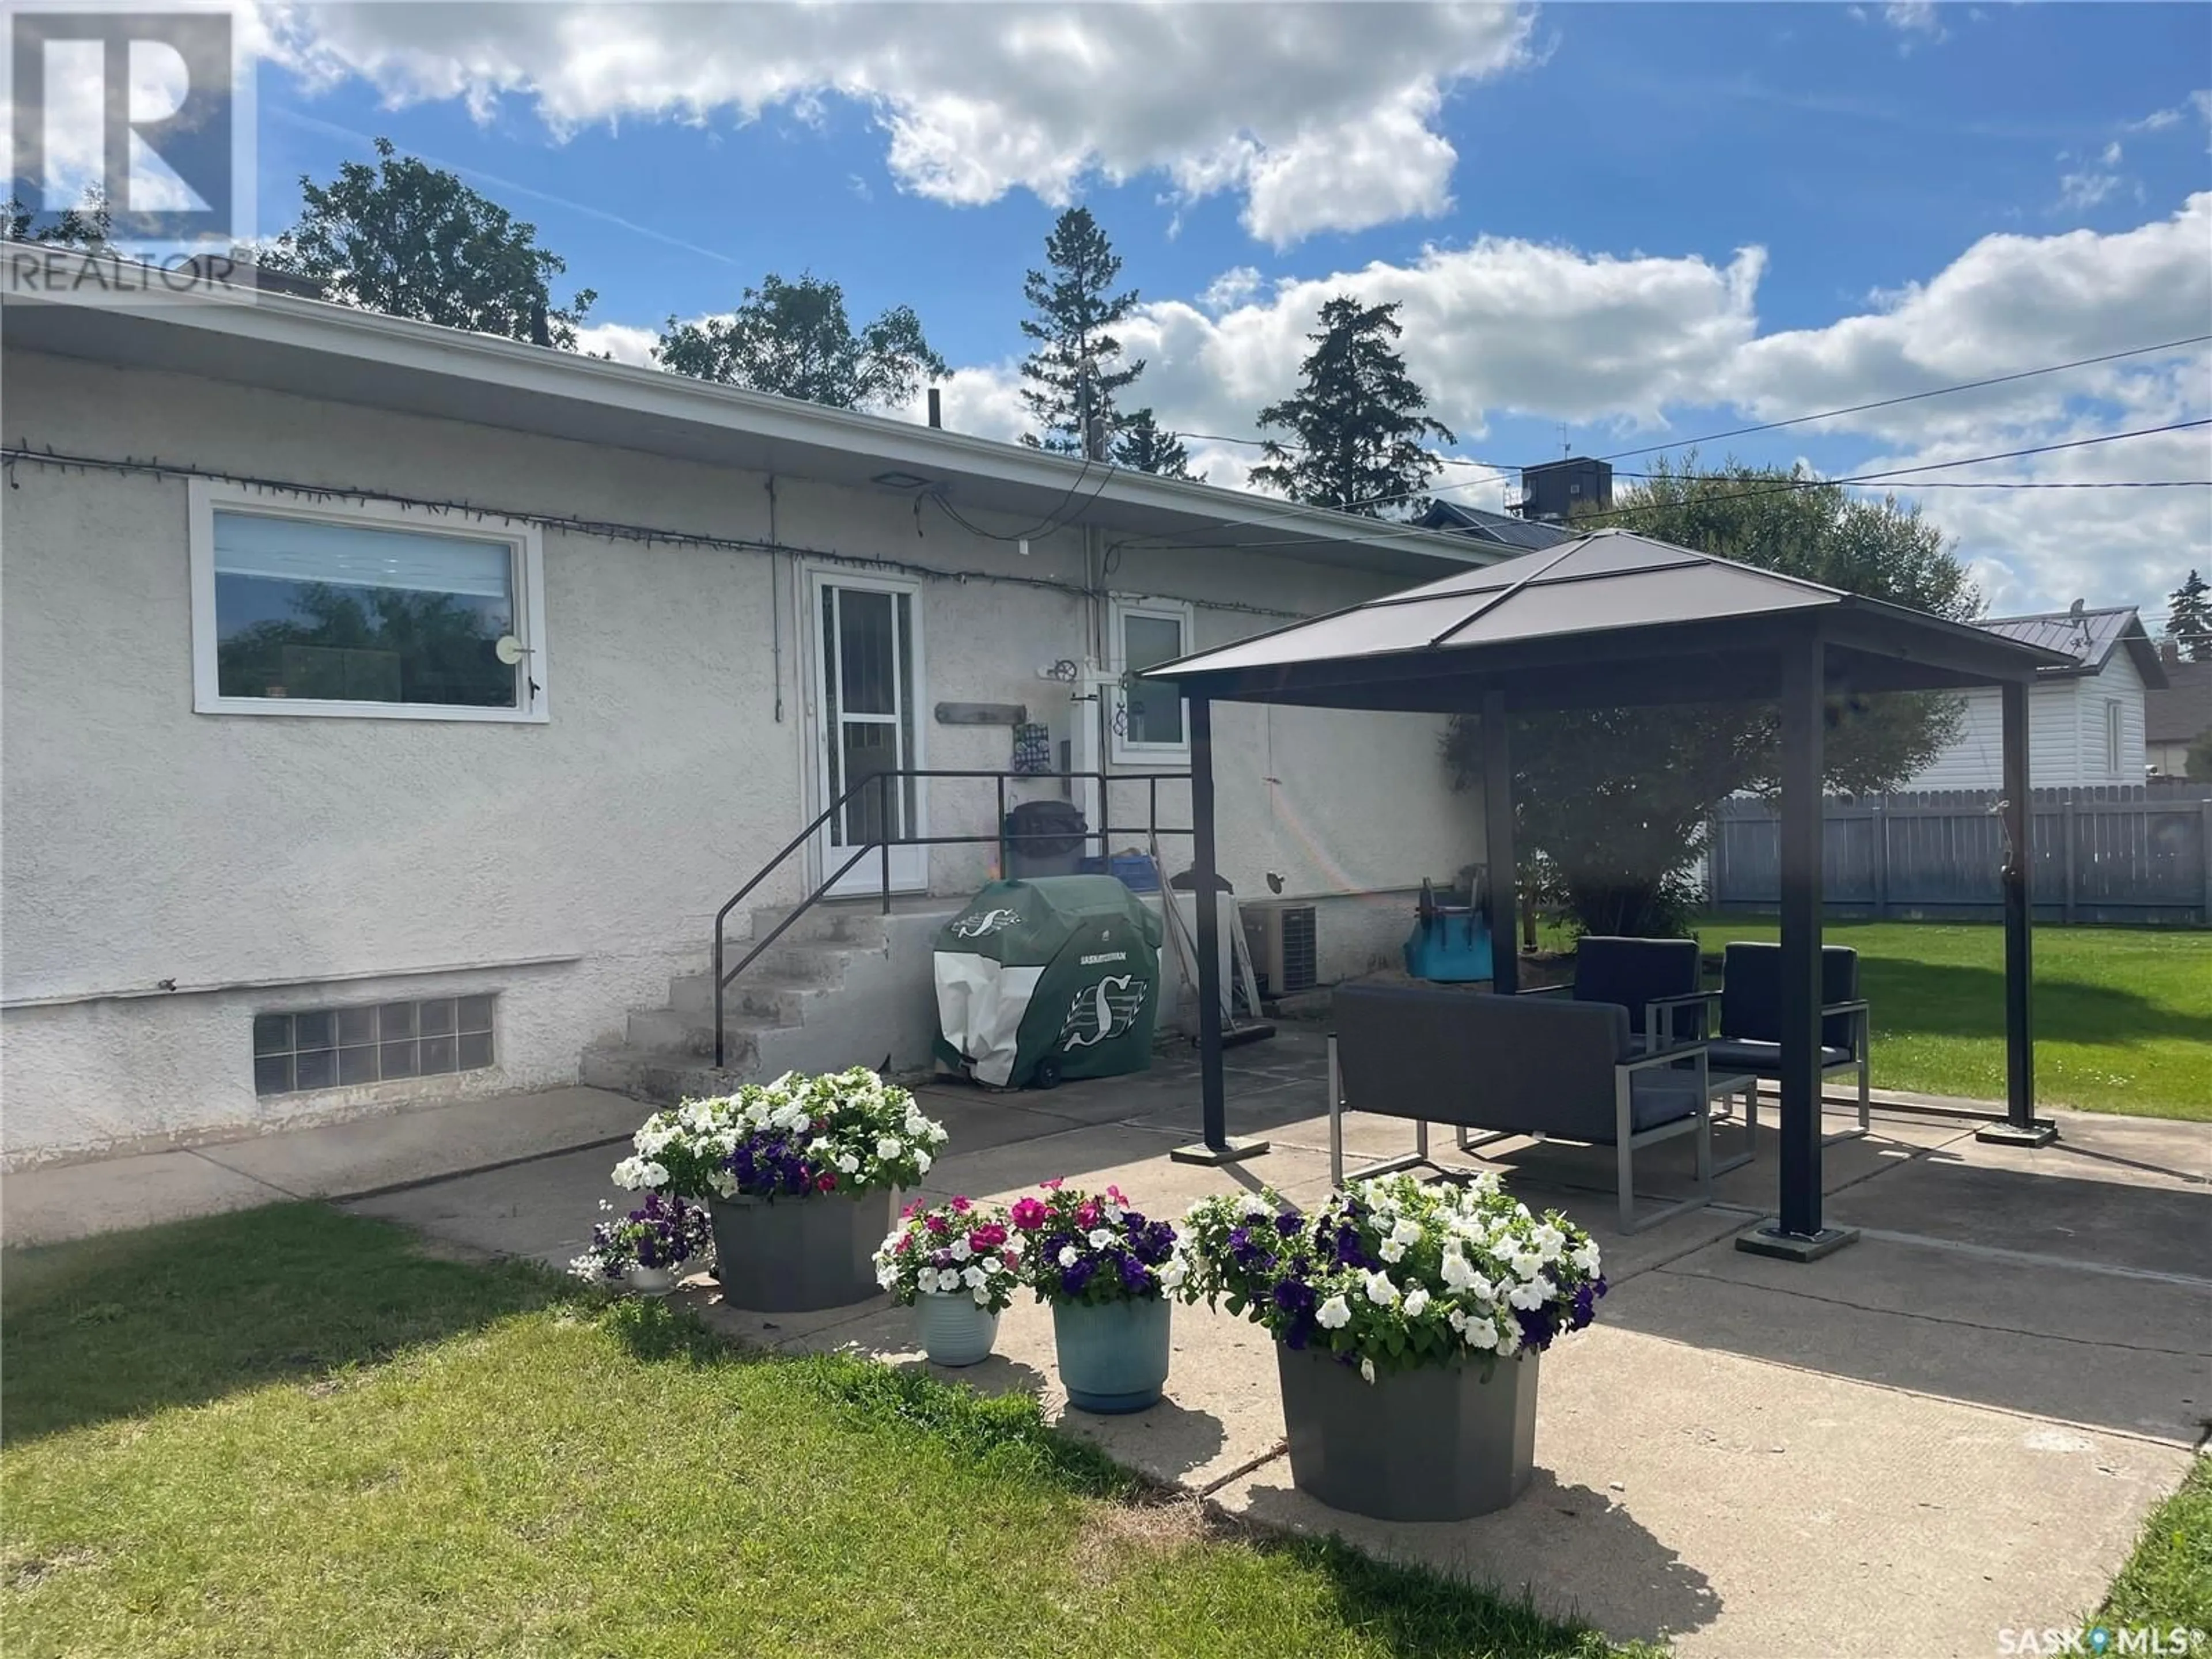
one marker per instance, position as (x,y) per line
(1513,1065)
(1746,1034)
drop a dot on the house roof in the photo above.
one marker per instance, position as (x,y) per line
(1608,619)
(2181,710)
(1506,529)
(338,353)
(2087,638)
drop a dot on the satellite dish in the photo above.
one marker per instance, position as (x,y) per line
(509,650)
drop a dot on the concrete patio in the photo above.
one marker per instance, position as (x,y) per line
(1953,1428)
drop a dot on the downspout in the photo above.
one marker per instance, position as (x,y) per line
(775,600)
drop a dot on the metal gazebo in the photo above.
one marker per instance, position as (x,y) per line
(1614,619)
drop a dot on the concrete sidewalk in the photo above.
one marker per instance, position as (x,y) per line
(1953,1428)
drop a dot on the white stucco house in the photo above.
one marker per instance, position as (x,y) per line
(2085,722)
(389,710)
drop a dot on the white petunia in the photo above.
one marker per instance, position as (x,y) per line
(1333,1314)
(961,1249)
(971,1276)
(1509,1340)
(982,1295)
(1527,1264)
(1549,1241)
(1529,1296)
(1172,1272)
(926,1281)
(922,1162)
(887,1275)
(1586,1257)
(1408,1232)
(1068,1255)
(1417,1299)
(1100,1238)
(1457,1274)
(1391,1251)
(890,1146)
(1482,1290)
(993,1265)
(1380,1291)
(1367,1369)
(1256,1207)
(848,1162)
(1481,1334)
(1456,1319)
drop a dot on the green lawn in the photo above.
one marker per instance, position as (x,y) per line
(289,1432)
(2168,1579)
(2123,1016)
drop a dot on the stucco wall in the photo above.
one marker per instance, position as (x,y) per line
(145,842)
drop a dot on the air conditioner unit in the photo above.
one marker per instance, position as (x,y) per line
(1280,937)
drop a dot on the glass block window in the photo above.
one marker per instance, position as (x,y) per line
(372,1042)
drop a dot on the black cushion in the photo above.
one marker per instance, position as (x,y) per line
(1662,1094)
(1531,1065)
(1763,1059)
(1751,992)
(1631,972)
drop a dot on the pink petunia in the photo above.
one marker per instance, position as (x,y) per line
(1086,1213)
(1029,1213)
(960,1207)
(987,1237)
(938,1224)
(1054,1184)
(826,1182)
(900,1248)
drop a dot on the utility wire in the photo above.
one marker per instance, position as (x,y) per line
(1909,397)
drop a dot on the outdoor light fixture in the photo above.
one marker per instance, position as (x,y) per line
(900,480)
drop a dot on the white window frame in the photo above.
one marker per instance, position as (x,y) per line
(2115,736)
(1120,607)
(527,551)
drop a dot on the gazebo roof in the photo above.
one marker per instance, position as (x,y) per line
(1609,619)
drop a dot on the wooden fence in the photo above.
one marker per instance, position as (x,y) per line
(2122,854)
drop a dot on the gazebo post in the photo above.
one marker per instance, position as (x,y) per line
(1215,1147)
(1796,1234)
(2021,1127)
(1502,904)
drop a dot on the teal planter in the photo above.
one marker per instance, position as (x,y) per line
(1113,1355)
(954,1330)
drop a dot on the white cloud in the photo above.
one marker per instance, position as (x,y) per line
(1322,116)
(620,341)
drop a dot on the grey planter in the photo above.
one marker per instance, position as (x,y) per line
(793,1254)
(1434,1444)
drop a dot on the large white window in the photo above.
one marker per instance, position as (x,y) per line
(367,610)
(1150,723)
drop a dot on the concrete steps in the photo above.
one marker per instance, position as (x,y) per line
(782,1014)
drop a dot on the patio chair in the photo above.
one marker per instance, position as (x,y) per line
(1749,1040)
(1513,1065)
(1647,976)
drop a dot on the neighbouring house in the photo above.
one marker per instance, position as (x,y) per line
(389,711)
(1501,529)
(1552,493)
(2085,722)
(2175,714)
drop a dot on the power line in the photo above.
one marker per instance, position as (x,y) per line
(1910,397)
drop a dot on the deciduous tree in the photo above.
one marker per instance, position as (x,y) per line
(794,340)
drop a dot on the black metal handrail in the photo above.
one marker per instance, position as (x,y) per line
(881,782)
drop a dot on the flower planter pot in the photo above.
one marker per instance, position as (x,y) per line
(792,1255)
(1113,1355)
(954,1330)
(649,1281)
(1438,1442)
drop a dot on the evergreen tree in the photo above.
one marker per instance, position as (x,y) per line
(410,239)
(1357,420)
(2189,618)
(793,339)
(1074,313)
(1142,446)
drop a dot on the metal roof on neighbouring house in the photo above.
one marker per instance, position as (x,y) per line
(2181,710)
(2089,637)
(1527,535)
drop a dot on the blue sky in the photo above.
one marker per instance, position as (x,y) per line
(1638,222)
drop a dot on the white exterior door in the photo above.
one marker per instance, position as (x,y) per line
(868,690)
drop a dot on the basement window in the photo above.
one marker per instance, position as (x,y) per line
(376,611)
(309,1048)
(1150,722)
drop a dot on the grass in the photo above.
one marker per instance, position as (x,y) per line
(2123,1016)
(2167,1580)
(290,1431)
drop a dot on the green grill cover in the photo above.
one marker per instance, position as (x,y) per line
(1062,972)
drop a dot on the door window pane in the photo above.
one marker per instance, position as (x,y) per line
(1155,712)
(358,613)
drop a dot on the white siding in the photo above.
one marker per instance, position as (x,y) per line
(2066,735)
(332,860)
